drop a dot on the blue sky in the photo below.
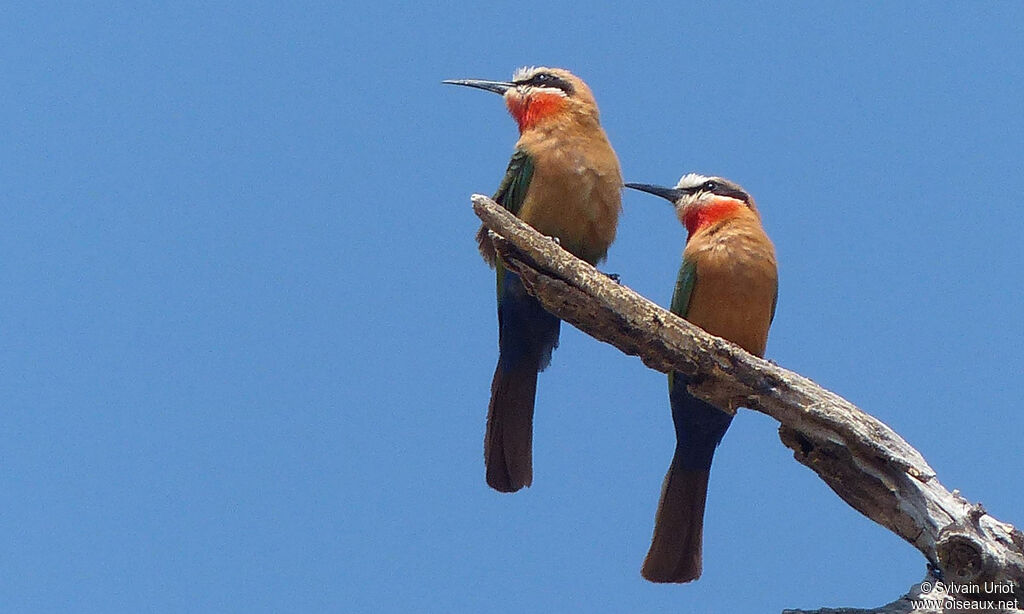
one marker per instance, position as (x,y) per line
(248,340)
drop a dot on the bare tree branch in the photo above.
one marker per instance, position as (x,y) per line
(864,461)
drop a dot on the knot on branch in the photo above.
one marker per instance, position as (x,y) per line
(961,557)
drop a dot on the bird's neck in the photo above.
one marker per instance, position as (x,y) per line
(698,218)
(531,111)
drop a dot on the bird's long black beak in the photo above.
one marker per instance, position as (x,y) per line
(498,87)
(670,194)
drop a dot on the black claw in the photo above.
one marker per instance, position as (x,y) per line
(612,276)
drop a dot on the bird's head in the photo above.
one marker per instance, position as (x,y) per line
(701,201)
(537,95)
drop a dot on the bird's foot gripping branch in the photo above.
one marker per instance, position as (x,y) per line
(864,461)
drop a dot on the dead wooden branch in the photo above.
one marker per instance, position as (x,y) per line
(864,461)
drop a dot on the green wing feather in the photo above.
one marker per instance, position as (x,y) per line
(684,288)
(511,195)
(512,191)
(681,297)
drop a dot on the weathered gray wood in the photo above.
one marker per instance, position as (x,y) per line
(864,461)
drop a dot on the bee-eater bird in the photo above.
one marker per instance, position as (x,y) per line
(563,180)
(727,285)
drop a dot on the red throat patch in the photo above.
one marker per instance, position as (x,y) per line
(528,111)
(717,210)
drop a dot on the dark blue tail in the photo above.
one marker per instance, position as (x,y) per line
(699,426)
(675,554)
(527,334)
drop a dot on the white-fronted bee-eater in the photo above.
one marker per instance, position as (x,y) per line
(564,180)
(727,285)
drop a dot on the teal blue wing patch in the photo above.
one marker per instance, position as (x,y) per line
(512,192)
(684,288)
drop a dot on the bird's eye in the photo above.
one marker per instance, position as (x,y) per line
(548,80)
(711,186)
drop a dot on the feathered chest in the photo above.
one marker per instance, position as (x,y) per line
(737,251)
(736,283)
(575,191)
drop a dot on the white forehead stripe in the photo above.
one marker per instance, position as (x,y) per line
(524,73)
(691,180)
(521,74)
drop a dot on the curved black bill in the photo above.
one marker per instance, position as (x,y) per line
(670,194)
(498,87)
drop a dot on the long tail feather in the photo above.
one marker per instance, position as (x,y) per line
(527,336)
(675,553)
(676,547)
(508,443)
